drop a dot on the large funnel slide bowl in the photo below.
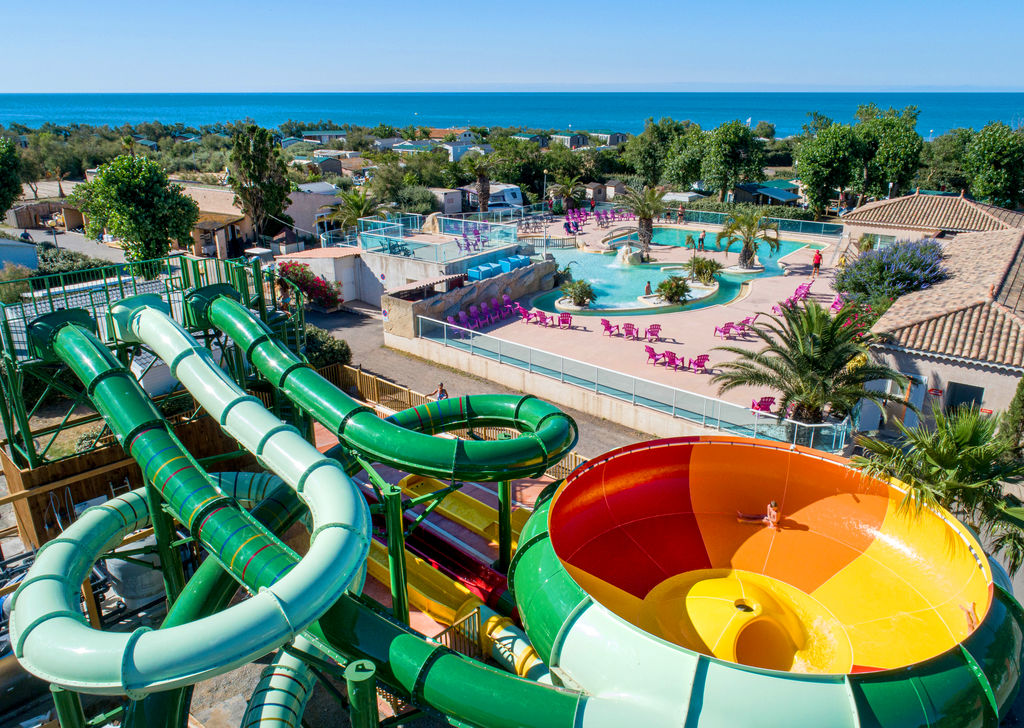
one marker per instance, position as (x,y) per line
(836,594)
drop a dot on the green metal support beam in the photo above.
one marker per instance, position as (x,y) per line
(396,552)
(170,558)
(504,526)
(69,707)
(361,681)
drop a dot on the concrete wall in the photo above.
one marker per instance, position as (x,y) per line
(343,271)
(855,230)
(646,420)
(217,199)
(938,373)
(401,314)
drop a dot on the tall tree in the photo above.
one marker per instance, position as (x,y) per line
(890,150)
(646,204)
(132,199)
(995,160)
(10,175)
(816,362)
(944,161)
(826,161)
(569,189)
(480,166)
(31,171)
(647,151)
(732,154)
(353,206)
(258,175)
(750,230)
(682,168)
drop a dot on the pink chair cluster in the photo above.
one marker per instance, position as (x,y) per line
(735,328)
(563,320)
(631,331)
(800,294)
(671,359)
(483,315)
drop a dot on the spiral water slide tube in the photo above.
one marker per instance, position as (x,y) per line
(50,636)
(852,612)
(403,440)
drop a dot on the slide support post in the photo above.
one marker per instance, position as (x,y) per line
(69,707)
(170,558)
(361,681)
(396,551)
(504,526)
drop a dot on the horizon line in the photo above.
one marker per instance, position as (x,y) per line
(554,88)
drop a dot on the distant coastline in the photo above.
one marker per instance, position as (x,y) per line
(614,111)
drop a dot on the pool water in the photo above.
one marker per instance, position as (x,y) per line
(19,254)
(618,286)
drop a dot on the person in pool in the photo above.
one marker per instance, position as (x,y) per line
(700,240)
(647,289)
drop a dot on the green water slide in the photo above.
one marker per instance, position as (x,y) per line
(402,441)
(49,634)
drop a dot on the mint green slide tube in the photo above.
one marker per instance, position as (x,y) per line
(49,635)
(402,441)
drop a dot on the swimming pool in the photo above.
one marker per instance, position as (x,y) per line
(18,253)
(618,286)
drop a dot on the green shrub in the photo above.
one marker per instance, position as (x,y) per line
(782,211)
(674,290)
(11,292)
(703,269)
(54,260)
(322,349)
(318,289)
(580,293)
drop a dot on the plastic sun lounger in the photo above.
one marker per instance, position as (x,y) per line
(701,363)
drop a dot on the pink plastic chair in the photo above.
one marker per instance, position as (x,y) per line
(837,303)
(652,355)
(609,328)
(527,316)
(669,359)
(653,332)
(630,331)
(701,363)
(466,322)
(499,309)
(748,321)
(457,333)
(726,330)
(543,319)
(476,315)
(764,404)
(565,319)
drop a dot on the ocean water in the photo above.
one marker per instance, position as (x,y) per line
(618,286)
(615,111)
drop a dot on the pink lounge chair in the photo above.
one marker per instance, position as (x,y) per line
(610,328)
(629,331)
(669,359)
(476,315)
(748,321)
(543,319)
(837,303)
(507,300)
(652,355)
(565,319)
(726,330)
(492,313)
(653,332)
(467,322)
(457,333)
(764,404)
(502,311)
(701,363)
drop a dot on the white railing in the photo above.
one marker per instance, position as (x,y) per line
(715,414)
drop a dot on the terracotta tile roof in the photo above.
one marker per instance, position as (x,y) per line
(342,251)
(935,212)
(975,314)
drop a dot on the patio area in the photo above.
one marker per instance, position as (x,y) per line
(687,334)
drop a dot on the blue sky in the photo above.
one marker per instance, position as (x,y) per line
(315,45)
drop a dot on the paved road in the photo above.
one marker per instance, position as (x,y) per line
(76,242)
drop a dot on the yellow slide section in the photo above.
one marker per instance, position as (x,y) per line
(464,509)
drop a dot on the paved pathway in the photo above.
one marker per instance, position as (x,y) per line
(76,242)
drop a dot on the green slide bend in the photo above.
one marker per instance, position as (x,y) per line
(403,440)
(49,634)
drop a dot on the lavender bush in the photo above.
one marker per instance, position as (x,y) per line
(905,266)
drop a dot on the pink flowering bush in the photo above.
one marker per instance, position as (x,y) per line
(318,289)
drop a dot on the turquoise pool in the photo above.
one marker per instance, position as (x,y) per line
(618,286)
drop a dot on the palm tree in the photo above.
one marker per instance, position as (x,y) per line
(128,144)
(959,464)
(569,189)
(480,167)
(817,363)
(646,204)
(750,229)
(353,206)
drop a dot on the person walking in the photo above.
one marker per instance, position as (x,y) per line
(816,264)
(700,240)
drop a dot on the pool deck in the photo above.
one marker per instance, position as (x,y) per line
(687,333)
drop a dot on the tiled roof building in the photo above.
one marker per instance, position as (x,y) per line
(934,214)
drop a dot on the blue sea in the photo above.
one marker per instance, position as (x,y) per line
(612,111)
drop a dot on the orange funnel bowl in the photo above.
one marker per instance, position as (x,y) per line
(669,536)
